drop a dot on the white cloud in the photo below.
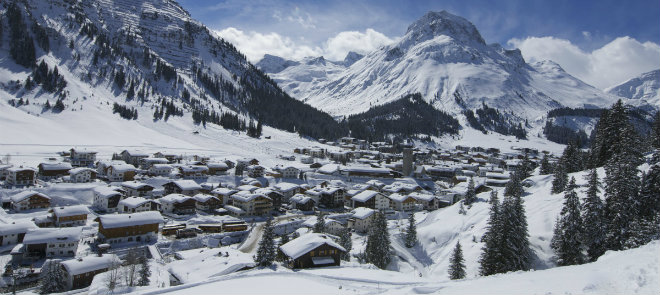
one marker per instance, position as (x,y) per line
(615,62)
(254,45)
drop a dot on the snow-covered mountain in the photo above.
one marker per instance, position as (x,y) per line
(443,57)
(148,56)
(644,87)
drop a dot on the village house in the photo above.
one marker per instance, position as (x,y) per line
(19,177)
(70,216)
(217,168)
(42,243)
(401,202)
(120,172)
(13,233)
(4,170)
(193,171)
(427,201)
(137,204)
(275,196)
(223,194)
(79,273)
(206,202)
(177,204)
(137,189)
(302,202)
(255,171)
(146,163)
(82,158)
(361,219)
(332,197)
(133,157)
(371,199)
(81,175)
(185,187)
(103,165)
(160,170)
(53,170)
(333,227)
(171,157)
(251,203)
(312,250)
(29,200)
(367,172)
(288,189)
(288,172)
(306,160)
(121,228)
(106,198)
(241,164)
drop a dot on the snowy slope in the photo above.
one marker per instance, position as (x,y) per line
(442,56)
(644,87)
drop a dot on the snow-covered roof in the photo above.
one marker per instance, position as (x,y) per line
(89,264)
(248,188)
(300,199)
(328,169)
(363,212)
(135,185)
(133,202)
(136,153)
(286,186)
(26,194)
(122,220)
(80,170)
(155,160)
(398,197)
(245,196)
(367,170)
(107,191)
(308,242)
(55,166)
(203,197)
(57,235)
(186,184)
(70,210)
(122,167)
(365,195)
(161,166)
(16,227)
(19,169)
(375,183)
(192,168)
(224,191)
(217,165)
(422,196)
(234,209)
(174,198)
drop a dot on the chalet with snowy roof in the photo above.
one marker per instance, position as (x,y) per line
(52,170)
(206,202)
(137,189)
(371,199)
(375,184)
(160,170)
(70,216)
(217,168)
(288,171)
(20,177)
(306,160)
(133,157)
(103,165)
(4,170)
(361,219)
(79,273)
(193,171)
(302,202)
(275,196)
(177,204)
(137,204)
(400,202)
(288,189)
(367,172)
(332,197)
(170,156)
(329,169)
(146,163)
(185,187)
(29,200)
(81,175)
(223,194)
(106,198)
(312,250)
(120,172)
(13,233)
(255,171)
(49,242)
(426,200)
(334,227)
(252,203)
(82,158)
(241,164)
(121,228)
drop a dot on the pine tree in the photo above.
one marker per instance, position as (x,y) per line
(490,260)
(567,240)
(592,219)
(319,226)
(655,131)
(378,242)
(470,195)
(280,255)
(546,168)
(411,232)
(346,242)
(144,272)
(266,251)
(456,264)
(514,186)
(52,277)
(560,178)
(514,238)
(649,200)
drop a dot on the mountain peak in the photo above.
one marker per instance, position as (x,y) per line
(351,58)
(434,24)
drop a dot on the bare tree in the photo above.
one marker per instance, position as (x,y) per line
(130,269)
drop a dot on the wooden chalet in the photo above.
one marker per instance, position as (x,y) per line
(312,250)
(70,216)
(120,228)
(79,273)
(29,200)
(19,177)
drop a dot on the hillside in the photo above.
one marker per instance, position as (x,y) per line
(645,87)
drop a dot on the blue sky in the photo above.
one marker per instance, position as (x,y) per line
(297,28)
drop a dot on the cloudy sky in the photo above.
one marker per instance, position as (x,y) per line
(603,42)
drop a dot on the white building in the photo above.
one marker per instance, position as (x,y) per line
(371,199)
(137,189)
(106,198)
(361,219)
(255,171)
(81,174)
(20,177)
(13,233)
(401,202)
(82,158)
(160,170)
(29,200)
(288,172)
(120,172)
(51,242)
(136,204)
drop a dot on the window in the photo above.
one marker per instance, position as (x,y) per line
(321,252)
(311,253)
